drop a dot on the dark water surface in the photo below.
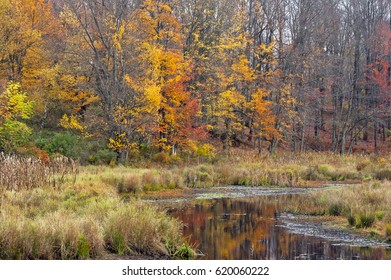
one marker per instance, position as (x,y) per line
(248,228)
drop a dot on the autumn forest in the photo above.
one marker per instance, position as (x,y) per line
(135,78)
(195,129)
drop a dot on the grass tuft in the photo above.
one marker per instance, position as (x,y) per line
(365,220)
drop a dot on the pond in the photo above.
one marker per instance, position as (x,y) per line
(237,223)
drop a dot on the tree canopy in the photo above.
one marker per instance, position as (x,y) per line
(139,77)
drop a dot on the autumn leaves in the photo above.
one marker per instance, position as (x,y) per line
(174,75)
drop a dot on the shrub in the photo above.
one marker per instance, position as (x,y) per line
(14,134)
(104,156)
(170,180)
(312,174)
(64,143)
(150,181)
(190,177)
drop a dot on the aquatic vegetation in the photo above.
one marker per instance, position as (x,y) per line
(364,206)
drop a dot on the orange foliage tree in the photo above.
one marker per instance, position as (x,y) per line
(162,76)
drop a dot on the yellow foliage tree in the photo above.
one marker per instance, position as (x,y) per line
(161,79)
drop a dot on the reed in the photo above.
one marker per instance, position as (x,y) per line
(17,173)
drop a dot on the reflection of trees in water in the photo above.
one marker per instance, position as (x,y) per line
(246,229)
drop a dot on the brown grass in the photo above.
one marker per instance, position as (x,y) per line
(129,230)
(69,224)
(285,170)
(18,173)
(57,235)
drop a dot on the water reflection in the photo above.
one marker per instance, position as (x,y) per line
(245,229)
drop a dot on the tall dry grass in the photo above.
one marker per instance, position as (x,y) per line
(287,170)
(17,173)
(71,223)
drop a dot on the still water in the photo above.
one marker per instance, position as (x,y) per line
(248,228)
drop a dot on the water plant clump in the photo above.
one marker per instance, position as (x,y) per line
(365,220)
(185,252)
(335,209)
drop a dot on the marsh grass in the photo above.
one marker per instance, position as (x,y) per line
(63,216)
(132,229)
(335,209)
(186,252)
(364,206)
(82,222)
(365,220)
(387,230)
(243,169)
(53,236)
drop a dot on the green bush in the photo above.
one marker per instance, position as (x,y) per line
(185,252)
(64,143)
(14,134)
(103,156)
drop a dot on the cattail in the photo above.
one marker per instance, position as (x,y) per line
(18,173)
